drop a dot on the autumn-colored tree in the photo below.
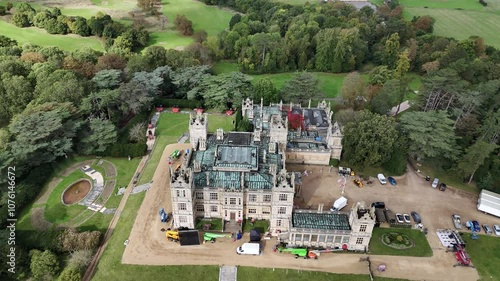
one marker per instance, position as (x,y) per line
(32,57)
(86,69)
(184,26)
(425,24)
(110,61)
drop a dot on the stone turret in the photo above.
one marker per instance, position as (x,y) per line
(278,129)
(334,140)
(282,204)
(182,193)
(198,130)
(247,109)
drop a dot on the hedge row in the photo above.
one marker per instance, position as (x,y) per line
(126,150)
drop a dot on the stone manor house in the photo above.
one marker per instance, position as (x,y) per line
(242,175)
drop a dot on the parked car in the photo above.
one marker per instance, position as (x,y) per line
(416,217)
(457,221)
(391,180)
(442,186)
(487,229)
(496,229)
(381,179)
(400,218)
(435,182)
(378,205)
(475,224)
(406,217)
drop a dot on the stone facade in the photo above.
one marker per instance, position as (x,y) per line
(315,142)
(314,228)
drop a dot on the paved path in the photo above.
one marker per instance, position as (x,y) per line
(228,273)
(402,107)
(93,264)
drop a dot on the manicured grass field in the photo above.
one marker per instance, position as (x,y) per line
(124,5)
(461,24)
(484,254)
(330,83)
(169,39)
(209,18)
(40,37)
(421,248)
(55,211)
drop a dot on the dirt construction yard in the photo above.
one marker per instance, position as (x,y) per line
(148,245)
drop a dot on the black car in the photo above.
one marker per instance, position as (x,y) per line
(378,205)
(416,217)
(442,186)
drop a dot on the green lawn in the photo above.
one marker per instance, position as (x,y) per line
(329,83)
(209,18)
(484,254)
(421,248)
(267,274)
(169,39)
(124,5)
(458,18)
(432,168)
(40,37)
(55,211)
(461,24)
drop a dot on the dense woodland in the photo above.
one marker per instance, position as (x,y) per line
(55,103)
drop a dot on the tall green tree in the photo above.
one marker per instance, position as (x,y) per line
(265,89)
(100,104)
(70,274)
(99,135)
(474,158)
(134,97)
(430,134)
(108,79)
(391,51)
(301,88)
(44,265)
(42,133)
(368,141)
(221,91)
(353,91)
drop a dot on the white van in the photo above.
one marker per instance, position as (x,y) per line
(339,204)
(381,179)
(249,249)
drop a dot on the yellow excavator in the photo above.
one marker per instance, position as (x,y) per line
(172,235)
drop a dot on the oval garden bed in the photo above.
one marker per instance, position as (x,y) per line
(397,240)
(76,192)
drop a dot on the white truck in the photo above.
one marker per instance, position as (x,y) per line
(489,202)
(249,249)
(339,204)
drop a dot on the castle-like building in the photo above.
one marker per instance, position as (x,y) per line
(242,175)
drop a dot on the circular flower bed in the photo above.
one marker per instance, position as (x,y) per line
(397,240)
(76,192)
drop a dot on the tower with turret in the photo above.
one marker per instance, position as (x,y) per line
(247,109)
(198,130)
(278,129)
(334,140)
(182,194)
(282,201)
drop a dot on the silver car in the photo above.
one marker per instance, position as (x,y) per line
(487,229)
(435,183)
(496,229)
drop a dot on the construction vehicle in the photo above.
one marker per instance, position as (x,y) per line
(213,236)
(172,235)
(358,183)
(299,252)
